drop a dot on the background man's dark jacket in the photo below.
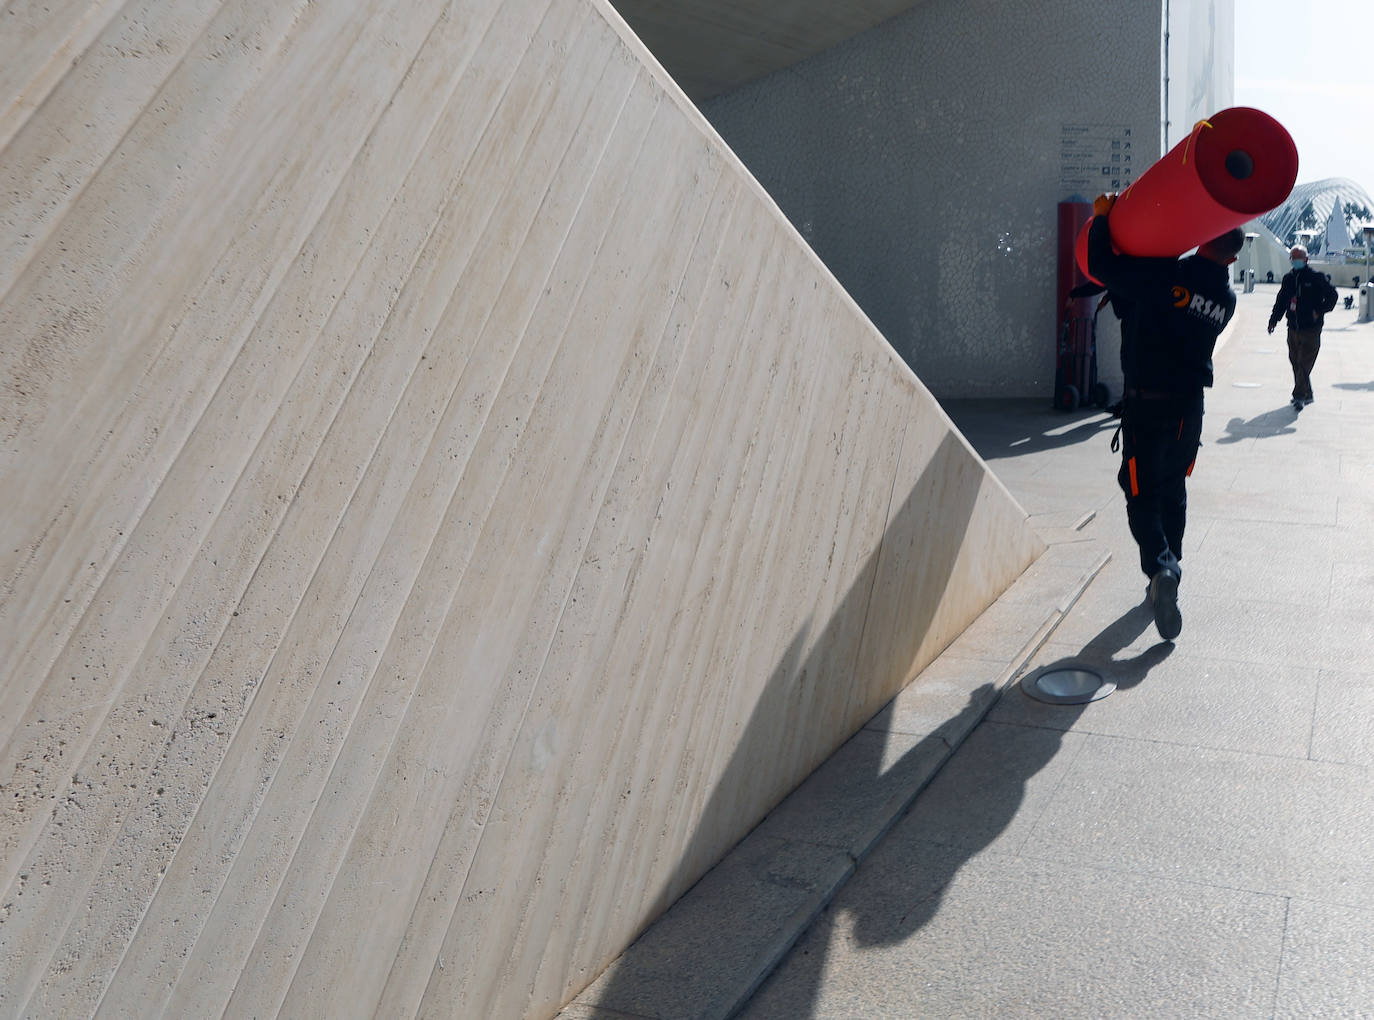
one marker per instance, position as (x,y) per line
(1315,297)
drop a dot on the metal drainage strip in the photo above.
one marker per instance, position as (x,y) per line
(1068,686)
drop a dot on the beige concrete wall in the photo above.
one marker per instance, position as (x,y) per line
(445,506)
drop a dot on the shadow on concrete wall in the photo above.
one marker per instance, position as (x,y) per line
(802,691)
(825,681)
(896,903)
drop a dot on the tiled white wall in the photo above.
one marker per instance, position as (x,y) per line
(445,506)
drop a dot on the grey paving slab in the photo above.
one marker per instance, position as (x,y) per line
(924,930)
(1061,569)
(1335,543)
(1121,583)
(1167,694)
(1072,519)
(1249,821)
(1265,560)
(1045,493)
(949,685)
(1345,638)
(1352,582)
(850,801)
(1263,633)
(1295,465)
(1264,498)
(581,1011)
(704,957)
(1355,513)
(1328,962)
(1342,727)
(1355,480)
(992,793)
(1351,398)
(1007,623)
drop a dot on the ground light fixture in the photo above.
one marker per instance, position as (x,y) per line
(1066,685)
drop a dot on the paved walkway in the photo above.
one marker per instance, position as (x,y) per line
(1198,844)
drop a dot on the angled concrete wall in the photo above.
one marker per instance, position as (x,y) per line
(446,506)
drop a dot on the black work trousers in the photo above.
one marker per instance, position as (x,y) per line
(1159,444)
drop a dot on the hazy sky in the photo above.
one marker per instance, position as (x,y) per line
(1310,65)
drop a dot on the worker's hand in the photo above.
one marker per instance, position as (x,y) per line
(1271,327)
(1102,204)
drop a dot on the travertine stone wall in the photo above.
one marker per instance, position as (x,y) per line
(425,450)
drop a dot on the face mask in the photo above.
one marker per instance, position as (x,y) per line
(1298,263)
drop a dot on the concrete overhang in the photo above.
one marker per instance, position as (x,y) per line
(713,46)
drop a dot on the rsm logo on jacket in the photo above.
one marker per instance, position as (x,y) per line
(1198,305)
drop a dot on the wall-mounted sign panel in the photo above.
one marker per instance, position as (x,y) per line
(1095,158)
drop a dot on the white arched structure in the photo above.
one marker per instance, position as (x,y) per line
(1323,195)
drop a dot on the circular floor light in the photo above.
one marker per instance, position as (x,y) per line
(1071,685)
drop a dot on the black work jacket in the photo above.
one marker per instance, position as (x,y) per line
(1305,296)
(1172,311)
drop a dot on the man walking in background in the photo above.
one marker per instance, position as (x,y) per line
(1172,311)
(1305,296)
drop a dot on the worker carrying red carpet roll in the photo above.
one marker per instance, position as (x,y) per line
(1236,165)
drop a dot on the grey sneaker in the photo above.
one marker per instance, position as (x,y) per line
(1164,599)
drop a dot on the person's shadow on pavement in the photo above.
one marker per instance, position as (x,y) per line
(898,890)
(1033,432)
(1278,422)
